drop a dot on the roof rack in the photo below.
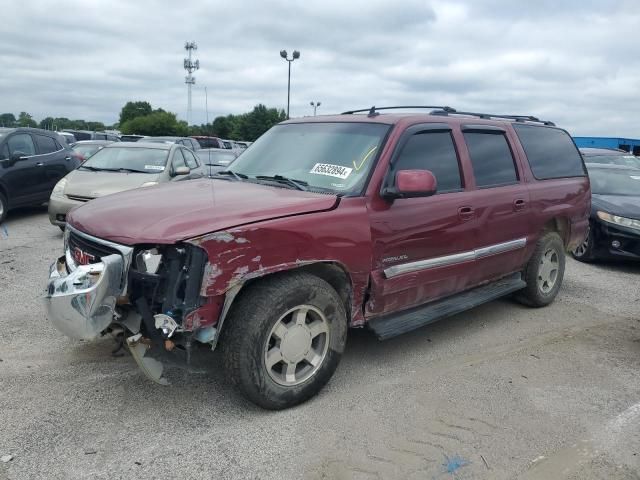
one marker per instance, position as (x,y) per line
(489,116)
(373,110)
(439,110)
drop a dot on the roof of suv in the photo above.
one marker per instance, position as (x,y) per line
(587,152)
(434,114)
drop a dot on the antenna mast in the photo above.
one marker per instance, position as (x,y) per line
(190,66)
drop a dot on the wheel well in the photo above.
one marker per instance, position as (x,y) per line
(332,273)
(559,225)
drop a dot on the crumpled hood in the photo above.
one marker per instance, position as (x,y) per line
(176,211)
(82,183)
(623,205)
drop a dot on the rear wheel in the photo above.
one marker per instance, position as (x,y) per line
(284,338)
(584,251)
(544,272)
(4,207)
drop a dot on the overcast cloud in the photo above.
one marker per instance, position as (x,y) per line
(573,62)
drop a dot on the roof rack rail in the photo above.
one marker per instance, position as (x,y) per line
(373,110)
(488,116)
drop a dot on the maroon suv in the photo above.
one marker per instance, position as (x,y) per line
(389,221)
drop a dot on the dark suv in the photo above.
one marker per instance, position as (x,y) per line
(31,163)
(385,221)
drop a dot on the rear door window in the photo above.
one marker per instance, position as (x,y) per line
(46,144)
(432,151)
(491,158)
(21,142)
(550,151)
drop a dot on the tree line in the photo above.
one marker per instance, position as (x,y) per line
(138,117)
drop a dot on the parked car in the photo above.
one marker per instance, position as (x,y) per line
(85,148)
(186,141)
(609,156)
(216,159)
(89,135)
(31,163)
(209,142)
(121,166)
(131,138)
(389,221)
(614,224)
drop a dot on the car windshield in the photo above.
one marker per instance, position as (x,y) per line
(327,156)
(622,159)
(87,150)
(212,158)
(614,182)
(145,160)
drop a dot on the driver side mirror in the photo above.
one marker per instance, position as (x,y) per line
(181,171)
(412,184)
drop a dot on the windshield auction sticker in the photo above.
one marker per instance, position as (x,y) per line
(154,167)
(337,171)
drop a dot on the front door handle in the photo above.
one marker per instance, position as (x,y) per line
(466,213)
(39,164)
(519,205)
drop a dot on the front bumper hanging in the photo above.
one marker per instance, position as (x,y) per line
(81,304)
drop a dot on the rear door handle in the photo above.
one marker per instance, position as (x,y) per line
(39,164)
(466,213)
(519,204)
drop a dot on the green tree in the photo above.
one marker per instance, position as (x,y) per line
(155,124)
(7,120)
(47,123)
(95,126)
(26,120)
(133,110)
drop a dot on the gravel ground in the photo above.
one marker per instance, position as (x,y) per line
(499,392)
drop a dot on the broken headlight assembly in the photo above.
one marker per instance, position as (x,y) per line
(148,261)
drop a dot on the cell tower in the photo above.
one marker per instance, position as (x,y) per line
(190,66)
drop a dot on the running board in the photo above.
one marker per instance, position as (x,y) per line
(394,324)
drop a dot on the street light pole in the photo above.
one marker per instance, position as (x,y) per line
(315,105)
(283,54)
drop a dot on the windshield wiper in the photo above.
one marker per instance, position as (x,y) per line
(299,184)
(88,167)
(131,170)
(237,176)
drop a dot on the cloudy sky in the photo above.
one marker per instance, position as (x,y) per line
(575,62)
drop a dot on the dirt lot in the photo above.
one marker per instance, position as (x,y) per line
(499,392)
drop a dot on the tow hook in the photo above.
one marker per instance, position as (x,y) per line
(139,346)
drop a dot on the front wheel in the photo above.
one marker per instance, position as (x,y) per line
(544,272)
(283,339)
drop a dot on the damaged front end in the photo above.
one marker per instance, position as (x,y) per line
(149,294)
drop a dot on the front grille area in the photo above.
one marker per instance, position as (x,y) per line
(84,251)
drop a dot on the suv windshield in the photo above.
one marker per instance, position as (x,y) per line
(145,160)
(327,156)
(614,182)
(626,160)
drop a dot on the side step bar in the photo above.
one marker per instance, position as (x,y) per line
(394,324)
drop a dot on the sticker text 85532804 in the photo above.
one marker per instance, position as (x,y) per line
(337,171)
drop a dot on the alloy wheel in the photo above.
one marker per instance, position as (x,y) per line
(548,270)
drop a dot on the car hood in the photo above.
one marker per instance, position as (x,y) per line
(176,211)
(622,205)
(87,184)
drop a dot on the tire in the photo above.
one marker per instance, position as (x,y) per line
(584,252)
(4,207)
(297,318)
(544,272)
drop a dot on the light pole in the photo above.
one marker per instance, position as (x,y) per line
(283,54)
(315,105)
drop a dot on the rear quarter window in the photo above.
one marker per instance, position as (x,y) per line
(550,151)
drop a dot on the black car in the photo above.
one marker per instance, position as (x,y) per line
(31,163)
(614,227)
(89,135)
(610,156)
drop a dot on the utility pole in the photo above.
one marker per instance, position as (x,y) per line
(190,66)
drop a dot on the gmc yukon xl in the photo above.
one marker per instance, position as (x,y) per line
(366,219)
